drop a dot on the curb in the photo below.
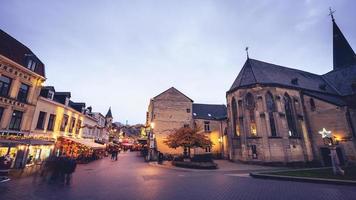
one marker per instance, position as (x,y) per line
(303,179)
(155,164)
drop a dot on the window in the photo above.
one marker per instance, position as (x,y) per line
(72,123)
(5,83)
(1,113)
(41,120)
(250,105)
(234,117)
(290,116)
(78,126)
(64,122)
(188,110)
(271,108)
(31,65)
(15,122)
(312,104)
(50,94)
(207,126)
(23,92)
(51,122)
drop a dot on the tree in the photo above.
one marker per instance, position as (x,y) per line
(187,138)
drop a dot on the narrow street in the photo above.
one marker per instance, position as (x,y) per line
(131,178)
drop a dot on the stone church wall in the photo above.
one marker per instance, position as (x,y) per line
(332,118)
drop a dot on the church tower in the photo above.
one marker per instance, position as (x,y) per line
(108,118)
(343,54)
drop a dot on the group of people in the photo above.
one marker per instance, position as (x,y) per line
(114,152)
(59,168)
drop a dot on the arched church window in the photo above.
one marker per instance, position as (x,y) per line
(250,105)
(312,104)
(288,106)
(271,108)
(234,117)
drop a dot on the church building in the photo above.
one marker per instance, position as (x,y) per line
(276,113)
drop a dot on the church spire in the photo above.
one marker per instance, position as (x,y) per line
(343,55)
(109,115)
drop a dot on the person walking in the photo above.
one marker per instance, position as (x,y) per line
(71,164)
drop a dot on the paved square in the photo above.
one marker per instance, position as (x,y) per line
(131,178)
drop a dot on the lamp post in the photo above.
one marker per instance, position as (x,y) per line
(332,143)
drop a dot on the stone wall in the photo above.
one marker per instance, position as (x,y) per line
(333,118)
(262,146)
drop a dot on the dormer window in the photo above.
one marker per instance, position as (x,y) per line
(31,65)
(67,101)
(322,86)
(50,94)
(294,81)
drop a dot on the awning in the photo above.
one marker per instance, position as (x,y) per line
(87,142)
(26,142)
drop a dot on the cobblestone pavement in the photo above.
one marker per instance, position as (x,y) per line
(131,178)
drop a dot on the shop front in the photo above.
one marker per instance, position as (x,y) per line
(83,150)
(25,151)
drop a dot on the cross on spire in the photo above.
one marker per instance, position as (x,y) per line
(331,13)
(246,49)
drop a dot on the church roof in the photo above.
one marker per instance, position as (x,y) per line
(18,52)
(209,111)
(109,114)
(259,72)
(343,54)
(333,99)
(343,80)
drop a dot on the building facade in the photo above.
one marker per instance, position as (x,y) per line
(21,77)
(172,110)
(276,113)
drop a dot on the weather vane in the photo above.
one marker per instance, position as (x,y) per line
(331,13)
(246,49)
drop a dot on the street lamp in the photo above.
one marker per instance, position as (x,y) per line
(332,143)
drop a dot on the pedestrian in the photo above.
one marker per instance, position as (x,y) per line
(112,154)
(72,164)
(116,153)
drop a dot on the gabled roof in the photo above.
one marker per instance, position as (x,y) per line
(209,111)
(18,52)
(173,89)
(259,72)
(343,55)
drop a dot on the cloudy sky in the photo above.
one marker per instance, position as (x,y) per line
(122,53)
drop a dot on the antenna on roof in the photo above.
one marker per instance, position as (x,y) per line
(331,13)
(246,49)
